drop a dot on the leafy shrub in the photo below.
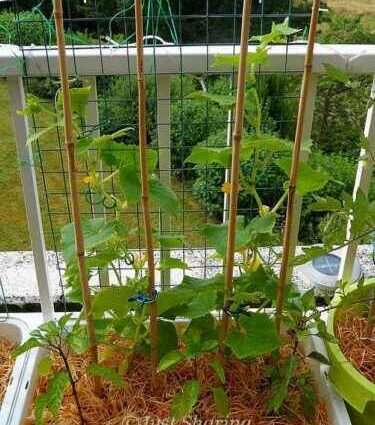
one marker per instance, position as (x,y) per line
(191,121)
(339,119)
(339,115)
(345,29)
(118,103)
(343,170)
(28,28)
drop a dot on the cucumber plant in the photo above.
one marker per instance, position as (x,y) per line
(121,311)
(261,149)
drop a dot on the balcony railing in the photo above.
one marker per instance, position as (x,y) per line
(163,62)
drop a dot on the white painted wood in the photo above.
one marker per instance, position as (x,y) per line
(362,182)
(163,84)
(167,59)
(92,122)
(231,113)
(304,156)
(20,391)
(30,195)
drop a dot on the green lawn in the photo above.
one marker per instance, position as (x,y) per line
(353,7)
(366,8)
(13,227)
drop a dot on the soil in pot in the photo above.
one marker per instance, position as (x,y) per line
(247,387)
(6,365)
(356,345)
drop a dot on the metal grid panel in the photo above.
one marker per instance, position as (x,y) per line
(188,125)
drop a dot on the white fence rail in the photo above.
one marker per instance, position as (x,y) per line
(42,61)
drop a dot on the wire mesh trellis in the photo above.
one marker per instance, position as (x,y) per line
(3,303)
(172,114)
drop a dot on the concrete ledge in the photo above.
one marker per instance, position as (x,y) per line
(19,280)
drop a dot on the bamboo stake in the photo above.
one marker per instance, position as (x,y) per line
(295,163)
(72,172)
(235,168)
(144,178)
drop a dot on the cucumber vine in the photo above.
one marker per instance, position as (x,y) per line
(122,309)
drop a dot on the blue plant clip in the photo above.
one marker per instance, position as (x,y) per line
(143,298)
(240,309)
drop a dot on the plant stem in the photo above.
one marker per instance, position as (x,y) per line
(139,324)
(144,180)
(111,176)
(257,198)
(251,189)
(73,384)
(332,307)
(263,305)
(236,148)
(295,164)
(72,168)
(117,274)
(280,202)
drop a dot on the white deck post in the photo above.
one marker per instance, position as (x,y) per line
(231,113)
(164,144)
(362,182)
(306,135)
(30,194)
(92,122)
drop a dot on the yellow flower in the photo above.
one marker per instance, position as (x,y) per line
(226,187)
(255,263)
(264,210)
(89,179)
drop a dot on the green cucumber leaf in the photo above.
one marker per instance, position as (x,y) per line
(326,205)
(163,196)
(130,184)
(309,180)
(167,337)
(203,155)
(184,402)
(221,401)
(172,263)
(225,101)
(170,359)
(96,232)
(258,336)
(112,298)
(218,369)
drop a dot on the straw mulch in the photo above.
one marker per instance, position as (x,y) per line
(247,388)
(357,347)
(6,365)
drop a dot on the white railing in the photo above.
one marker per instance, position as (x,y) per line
(162,61)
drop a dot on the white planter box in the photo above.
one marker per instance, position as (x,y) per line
(22,381)
(335,405)
(336,408)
